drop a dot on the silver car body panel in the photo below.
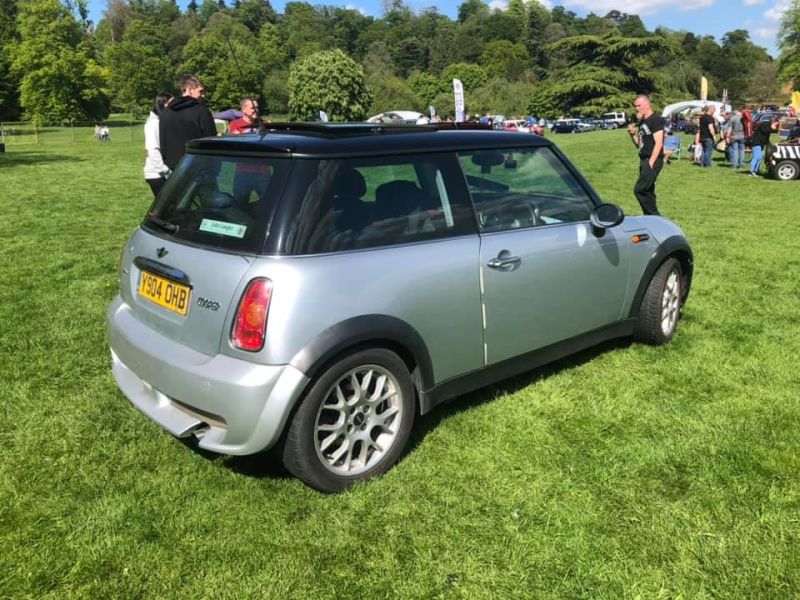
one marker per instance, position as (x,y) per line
(233,406)
(567,282)
(184,373)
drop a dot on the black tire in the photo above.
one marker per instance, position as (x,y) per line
(786,170)
(324,426)
(661,305)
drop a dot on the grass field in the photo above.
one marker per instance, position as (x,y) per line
(626,472)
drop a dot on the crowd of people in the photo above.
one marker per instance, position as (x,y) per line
(732,133)
(176,120)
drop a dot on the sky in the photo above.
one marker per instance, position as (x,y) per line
(761,18)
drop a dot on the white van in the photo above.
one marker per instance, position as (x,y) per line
(616,118)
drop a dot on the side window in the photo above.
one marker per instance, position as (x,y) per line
(369,202)
(522,187)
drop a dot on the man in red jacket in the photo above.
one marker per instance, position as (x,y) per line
(249,122)
(252,175)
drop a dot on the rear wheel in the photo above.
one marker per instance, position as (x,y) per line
(661,305)
(354,422)
(786,170)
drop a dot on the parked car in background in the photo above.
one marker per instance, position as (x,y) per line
(396,116)
(614,119)
(522,126)
(566,126)
(316,289)
(783,160)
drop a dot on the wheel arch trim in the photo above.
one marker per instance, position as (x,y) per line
(362,330)
(673,247)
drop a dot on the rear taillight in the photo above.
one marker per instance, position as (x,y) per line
(250,322)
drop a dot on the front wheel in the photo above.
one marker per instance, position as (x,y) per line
(354,422)
(661,305)
(786,170)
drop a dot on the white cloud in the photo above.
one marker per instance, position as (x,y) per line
(768,31)
(356,8)
(638,7)
(753,2)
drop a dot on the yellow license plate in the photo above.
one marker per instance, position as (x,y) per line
(164,292)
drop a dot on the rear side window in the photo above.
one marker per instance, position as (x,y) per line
(221,202)
(367,202)
(523,187)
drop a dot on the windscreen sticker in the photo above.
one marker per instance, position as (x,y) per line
(222,228)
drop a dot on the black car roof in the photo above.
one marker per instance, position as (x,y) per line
(318,140)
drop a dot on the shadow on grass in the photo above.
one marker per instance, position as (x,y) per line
(268,465)
(27,157)
(459,404)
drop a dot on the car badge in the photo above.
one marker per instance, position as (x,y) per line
(162,252)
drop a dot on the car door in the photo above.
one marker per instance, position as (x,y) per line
(545,275)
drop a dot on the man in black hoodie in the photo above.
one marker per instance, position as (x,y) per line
(185,119)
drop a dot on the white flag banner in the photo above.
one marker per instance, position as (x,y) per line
(458,92)
(432,111)
(323,116)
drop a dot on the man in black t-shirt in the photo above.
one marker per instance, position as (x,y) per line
(708,133)
(649,139)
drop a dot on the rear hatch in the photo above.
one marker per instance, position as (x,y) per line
(182,271)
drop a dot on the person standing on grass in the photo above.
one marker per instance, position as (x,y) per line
(735,140)
(249,177)
(708,133)
(649,139)
(249,121)
(155,171)
(185,119)
(759,141)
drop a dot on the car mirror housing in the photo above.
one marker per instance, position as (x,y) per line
(605,216)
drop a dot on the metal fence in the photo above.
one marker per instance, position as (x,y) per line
(28,132)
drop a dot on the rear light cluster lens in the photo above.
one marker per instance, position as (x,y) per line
(250,322)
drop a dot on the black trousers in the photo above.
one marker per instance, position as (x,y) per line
(156,185)
(645,188)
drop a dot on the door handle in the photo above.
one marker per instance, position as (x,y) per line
(504,262)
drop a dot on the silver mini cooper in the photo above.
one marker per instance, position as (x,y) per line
(315,288)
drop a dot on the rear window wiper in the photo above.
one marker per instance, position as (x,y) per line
(166,226)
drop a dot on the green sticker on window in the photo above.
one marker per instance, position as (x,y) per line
(222,228)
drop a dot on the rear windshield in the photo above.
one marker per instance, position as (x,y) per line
(220,201)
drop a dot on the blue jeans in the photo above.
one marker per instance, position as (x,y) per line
(737,153)
(708,148)
(755,161)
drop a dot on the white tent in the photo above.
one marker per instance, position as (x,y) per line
(694,106)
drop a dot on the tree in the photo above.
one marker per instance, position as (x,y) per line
(254,14)
(602,73)
(391,92)
(408,54)
(9,83)
(789,44)
(471,76)
(139,66)
(426,86)
(305,31)
(60,80)
(472,9)
(504,59)
(444,48)
(226,57)
(329,81)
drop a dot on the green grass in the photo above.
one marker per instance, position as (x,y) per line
(625,472)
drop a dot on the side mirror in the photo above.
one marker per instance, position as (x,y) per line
(605,216)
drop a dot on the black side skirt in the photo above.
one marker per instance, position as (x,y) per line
(458,386)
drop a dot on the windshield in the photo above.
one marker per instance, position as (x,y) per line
(219,201)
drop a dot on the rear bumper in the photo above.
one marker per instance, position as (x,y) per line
(232,406)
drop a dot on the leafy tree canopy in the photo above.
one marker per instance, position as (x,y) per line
(329,81)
